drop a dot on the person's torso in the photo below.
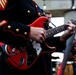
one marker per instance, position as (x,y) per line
(23,11)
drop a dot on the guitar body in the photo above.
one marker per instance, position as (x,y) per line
(15,58)
(18,61)
(39,22)
(22,59)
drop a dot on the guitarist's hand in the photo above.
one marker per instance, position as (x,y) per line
(70,30)
(37,34)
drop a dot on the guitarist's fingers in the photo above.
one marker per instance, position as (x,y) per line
(71,27)
(69,22)
(71,30)
(43,36)
(44,33)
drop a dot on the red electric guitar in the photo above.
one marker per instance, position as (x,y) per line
(24,58)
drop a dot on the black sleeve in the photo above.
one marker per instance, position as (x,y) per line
(14,33)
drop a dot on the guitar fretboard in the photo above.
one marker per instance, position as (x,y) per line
(51,32)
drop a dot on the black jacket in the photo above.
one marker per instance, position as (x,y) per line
(18,14)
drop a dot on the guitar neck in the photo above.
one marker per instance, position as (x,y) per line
(51,32)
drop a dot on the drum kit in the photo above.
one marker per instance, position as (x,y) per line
(58,61)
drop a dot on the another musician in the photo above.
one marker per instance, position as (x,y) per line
(15,17)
